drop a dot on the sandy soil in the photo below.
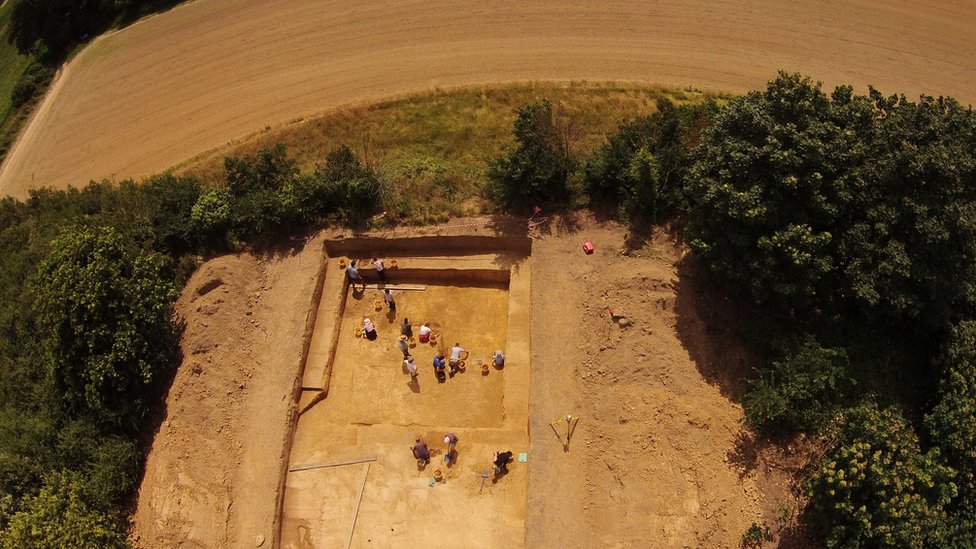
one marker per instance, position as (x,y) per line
(659,457)
(375,409)
(652,462)
(204,73)
(214,471)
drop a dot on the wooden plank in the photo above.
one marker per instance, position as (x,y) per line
(324,464)
(359,499)
(413,287)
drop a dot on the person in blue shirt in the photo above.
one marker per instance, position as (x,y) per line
(498,358)
(439,366)
(354,275)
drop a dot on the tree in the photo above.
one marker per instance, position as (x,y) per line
(876,488)
(642,168)
(350,187)
(538,168)
(52,26)
(772,186)
(60,517)
(105,315)
(817,205)
(911,250)
(270,169)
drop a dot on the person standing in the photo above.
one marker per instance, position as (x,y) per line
(402,345)
(388,297)
(410,365)
(406,328)
(380,269)
(451,440)
(354,275)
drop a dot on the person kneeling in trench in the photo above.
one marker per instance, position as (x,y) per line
(421,452)
(501,460)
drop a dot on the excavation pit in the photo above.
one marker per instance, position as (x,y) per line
(352,479)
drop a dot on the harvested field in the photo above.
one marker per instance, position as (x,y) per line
(658,457)
(204,73)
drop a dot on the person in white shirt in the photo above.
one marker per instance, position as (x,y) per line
(380,269)
(455,360)
(424,333)
(388,297)
(369,329)
(410,365)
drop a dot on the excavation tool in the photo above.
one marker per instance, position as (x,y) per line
(571,422)
(484,477)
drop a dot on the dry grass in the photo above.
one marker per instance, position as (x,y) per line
(431,150)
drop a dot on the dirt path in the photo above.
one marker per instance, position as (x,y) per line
(213,70)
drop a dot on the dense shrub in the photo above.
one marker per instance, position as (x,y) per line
(539,166)
(642,168)
(877,489)
(952,423)
(60,516)
(105,316)
(802,392)
(32,82)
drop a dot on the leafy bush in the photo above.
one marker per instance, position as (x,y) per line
(33,81)
(876,488)
(952,423)
(757,535)
(642,168)
(211,215)
(60,517)
(802,392)
(106,317)
(539,166)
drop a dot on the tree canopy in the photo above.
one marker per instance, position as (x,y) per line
(105,313)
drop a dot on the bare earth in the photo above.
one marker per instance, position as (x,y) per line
(191,79)
(212,476)
(655,461)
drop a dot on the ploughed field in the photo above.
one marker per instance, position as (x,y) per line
(191,79)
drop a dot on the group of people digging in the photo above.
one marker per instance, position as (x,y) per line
(444,366)
(421,452)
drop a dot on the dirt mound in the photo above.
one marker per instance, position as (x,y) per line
(651,460)
(213,474)
(204,73)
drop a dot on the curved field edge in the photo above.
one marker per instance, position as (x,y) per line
(195,77)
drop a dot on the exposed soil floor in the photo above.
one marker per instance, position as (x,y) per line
(204,73)
(658,459)
(374,408)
